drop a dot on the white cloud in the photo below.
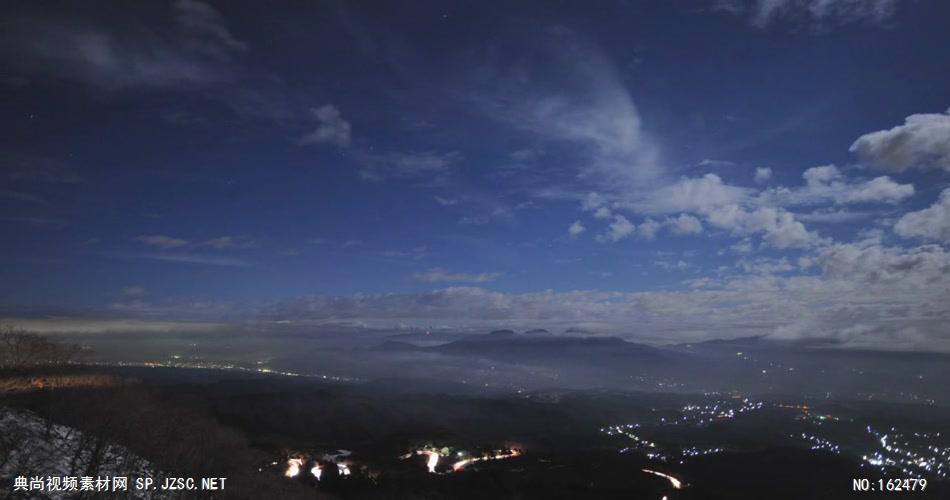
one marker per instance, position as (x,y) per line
(596,203)
(445,202)
(648,229)
(415,253)
(871,263)
(162,241)
(196,259)
(208,28)
(685,224)
(474,220)
(602,213)
(763,174)
(18,196)
(39,169)
(765,265)
(196,50)
(669,265)
(779,227)
(931,224)
(592,201)
(576,229)
(742,247)
(831,216)
(587,106)
(901,292)
(708,162)
(438,274)
(879,189)
(923,141)
(764,13)
(619,229)
(698,195)
(331,128)
(220,243)
(133,291)
(524,155)
(226,242)
(819,176)
(727,207)
(827,184)
(376,167)
(738,210)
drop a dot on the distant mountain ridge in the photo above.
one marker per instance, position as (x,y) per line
(542,347)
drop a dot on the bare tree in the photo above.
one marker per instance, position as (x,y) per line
(21,349)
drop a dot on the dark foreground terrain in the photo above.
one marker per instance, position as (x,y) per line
(296,437)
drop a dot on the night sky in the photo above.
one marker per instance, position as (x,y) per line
(661,171)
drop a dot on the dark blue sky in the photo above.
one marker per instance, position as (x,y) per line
(695,169)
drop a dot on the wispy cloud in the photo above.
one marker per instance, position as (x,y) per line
(162,241)
(331,128)
(425,164)
(195,259)
(18,196)
(39,169)
(196,49)
(36,221)
(589,108)
(764,13)
(415,253)
(226,242)
(708,162)
(445,202)
(832,216)
(219,243)
(133,291)
(438,274)
(575,229)
(894,290)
